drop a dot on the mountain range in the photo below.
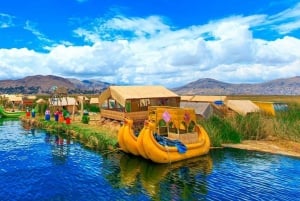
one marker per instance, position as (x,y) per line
(207,86)
(42,84)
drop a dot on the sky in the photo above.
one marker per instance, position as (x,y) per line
(151,42)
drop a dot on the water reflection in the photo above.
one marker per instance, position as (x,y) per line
(32,163)
(60,148)
(176,181)
(28,128)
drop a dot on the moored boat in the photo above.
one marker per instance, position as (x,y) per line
(165,153)
(7,114)
(170,134)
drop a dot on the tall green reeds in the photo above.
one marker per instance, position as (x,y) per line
(221,131)
(250,126)
(254,126)
(287,123)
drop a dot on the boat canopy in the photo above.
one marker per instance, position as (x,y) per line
(123,93)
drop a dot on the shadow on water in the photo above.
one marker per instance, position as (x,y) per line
(184,180)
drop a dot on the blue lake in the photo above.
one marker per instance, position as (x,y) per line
(36,165)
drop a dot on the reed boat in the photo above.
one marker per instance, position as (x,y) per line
(166,153)
(7,114)
(169,134)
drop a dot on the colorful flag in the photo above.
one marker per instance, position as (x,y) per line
(187,117)
(166,116)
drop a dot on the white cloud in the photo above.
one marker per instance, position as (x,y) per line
(30,26)
(149,51)
(17,63)
(88,36)
(286,21)
(139,26)
(6,20)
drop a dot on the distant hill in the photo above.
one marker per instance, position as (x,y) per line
(207,86)
(40,84)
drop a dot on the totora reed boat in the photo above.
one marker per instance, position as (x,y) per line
(8,114)
(169,134)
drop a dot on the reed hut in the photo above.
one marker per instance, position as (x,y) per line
(118,102)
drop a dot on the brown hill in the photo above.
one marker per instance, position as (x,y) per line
(207,86)
(40,84)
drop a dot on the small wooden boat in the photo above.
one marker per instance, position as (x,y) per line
(7,114)
(185,139)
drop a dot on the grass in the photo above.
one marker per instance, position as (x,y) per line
(287,123)
(255,126)
(94,137)
(221,131)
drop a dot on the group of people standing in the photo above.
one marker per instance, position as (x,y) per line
(28,112)
(59,115)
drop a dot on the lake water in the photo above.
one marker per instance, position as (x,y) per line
(35,165)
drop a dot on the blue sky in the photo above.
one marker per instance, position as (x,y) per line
(144,42)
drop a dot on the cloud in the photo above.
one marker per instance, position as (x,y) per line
(6,20)
(135,50)
(16,63)
(286,21)
(31,27)
(140,27)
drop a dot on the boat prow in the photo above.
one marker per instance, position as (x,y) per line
(126,138)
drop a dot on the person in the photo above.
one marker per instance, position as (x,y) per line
(47,115)
(65,112)
(85,117)
(60,117)
(85,112)
(33,113)
(56,115)
(67,117)
(27,112)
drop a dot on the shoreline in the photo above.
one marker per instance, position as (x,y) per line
(280,147)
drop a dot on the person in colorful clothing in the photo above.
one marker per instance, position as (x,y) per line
(27,112)
(47,115)
(33,113)
(56,115)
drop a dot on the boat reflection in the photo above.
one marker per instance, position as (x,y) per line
(158,179)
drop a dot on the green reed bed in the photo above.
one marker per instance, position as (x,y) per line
(220,131)
(97,139)
(254,126)
(250,126)
(287,123)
